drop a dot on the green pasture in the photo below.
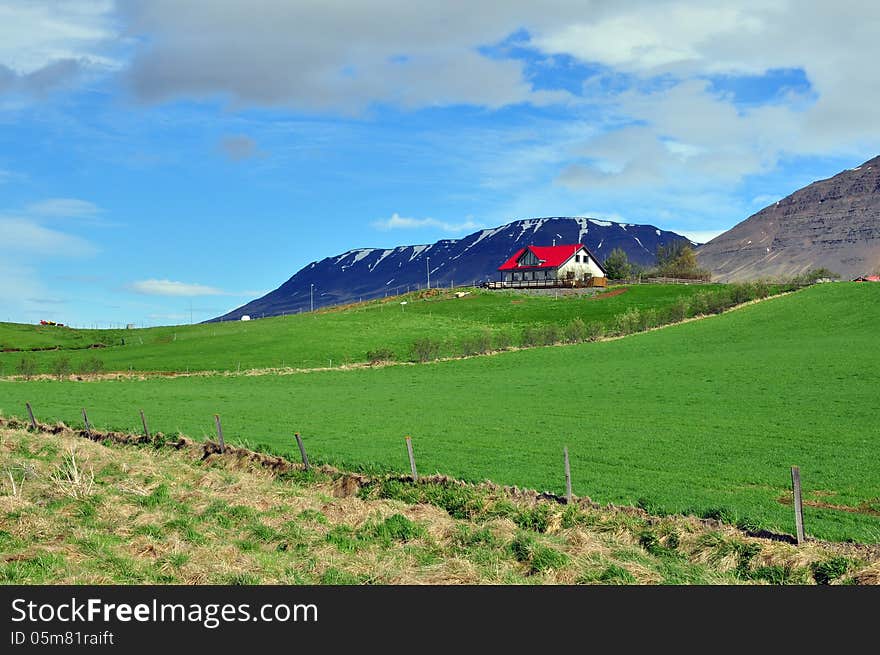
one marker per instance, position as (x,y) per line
(318,339)
(705,417)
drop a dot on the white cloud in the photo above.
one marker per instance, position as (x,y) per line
(172,288)
(327,56)
(700,236)
(28,238)
(63,208)
(38,33)
(605,216)
(639,37)
(397,222)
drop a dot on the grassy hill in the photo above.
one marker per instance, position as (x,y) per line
(82,512)
(336,335)
(704,417)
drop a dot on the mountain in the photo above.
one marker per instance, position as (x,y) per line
(833,223)
(366,273)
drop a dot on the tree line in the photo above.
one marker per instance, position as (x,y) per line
(676,259)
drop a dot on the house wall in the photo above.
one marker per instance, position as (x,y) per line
(586,266)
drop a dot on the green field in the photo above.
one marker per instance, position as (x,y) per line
(316,340)
(704,417)
(179,515)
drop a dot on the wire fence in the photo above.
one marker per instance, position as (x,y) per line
(220,448)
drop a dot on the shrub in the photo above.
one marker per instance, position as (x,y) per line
(575,331)
(699,303)
(531,336)
(380,355)
(717,302)
(629,321)
(479,344)
(595,331)
(61,367)
(550,334)
(816,274)
(678,311)
(91,365)
(740,293)
(762,289)
(27,367)
(617,265)
(424,350)
(648,319)
(503,341)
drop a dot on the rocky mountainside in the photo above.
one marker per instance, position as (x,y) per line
(366,273)
(833,223)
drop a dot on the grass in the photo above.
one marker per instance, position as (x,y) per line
(255,528)
(341,335)
(702,418)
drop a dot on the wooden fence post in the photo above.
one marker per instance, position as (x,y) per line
(567,476)
(798,504)
(219,433)
(412,458)
(86,421)
(31,414)
(302,450)
(144,423)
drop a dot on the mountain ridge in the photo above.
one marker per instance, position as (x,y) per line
(832,223)
(364,273)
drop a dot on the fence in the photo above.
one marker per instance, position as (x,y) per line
(221,449)
(547,284)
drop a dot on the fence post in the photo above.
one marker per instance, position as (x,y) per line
(798,504)
(86,421)
(302,450)
(144,423)
(412,458)
(219,433)
(567,476)
(31,414)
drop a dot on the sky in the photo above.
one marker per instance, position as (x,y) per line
(164,161)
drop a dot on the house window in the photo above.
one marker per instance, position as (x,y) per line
(527,276)
(539,275)
(517,277)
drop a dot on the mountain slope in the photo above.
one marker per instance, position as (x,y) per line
(374,272)
(833,223)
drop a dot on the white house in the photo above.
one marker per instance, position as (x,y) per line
(551,265)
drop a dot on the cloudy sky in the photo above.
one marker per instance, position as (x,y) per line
(168,160)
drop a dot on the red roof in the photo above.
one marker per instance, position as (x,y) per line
(868,278)
(548,256)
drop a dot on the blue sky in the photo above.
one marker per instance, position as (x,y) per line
(162,162)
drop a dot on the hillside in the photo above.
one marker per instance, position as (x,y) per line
(365,273)
(833,223)
(705,417)
(105,513)
(329,337)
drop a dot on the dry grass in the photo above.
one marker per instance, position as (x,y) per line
(73,511)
